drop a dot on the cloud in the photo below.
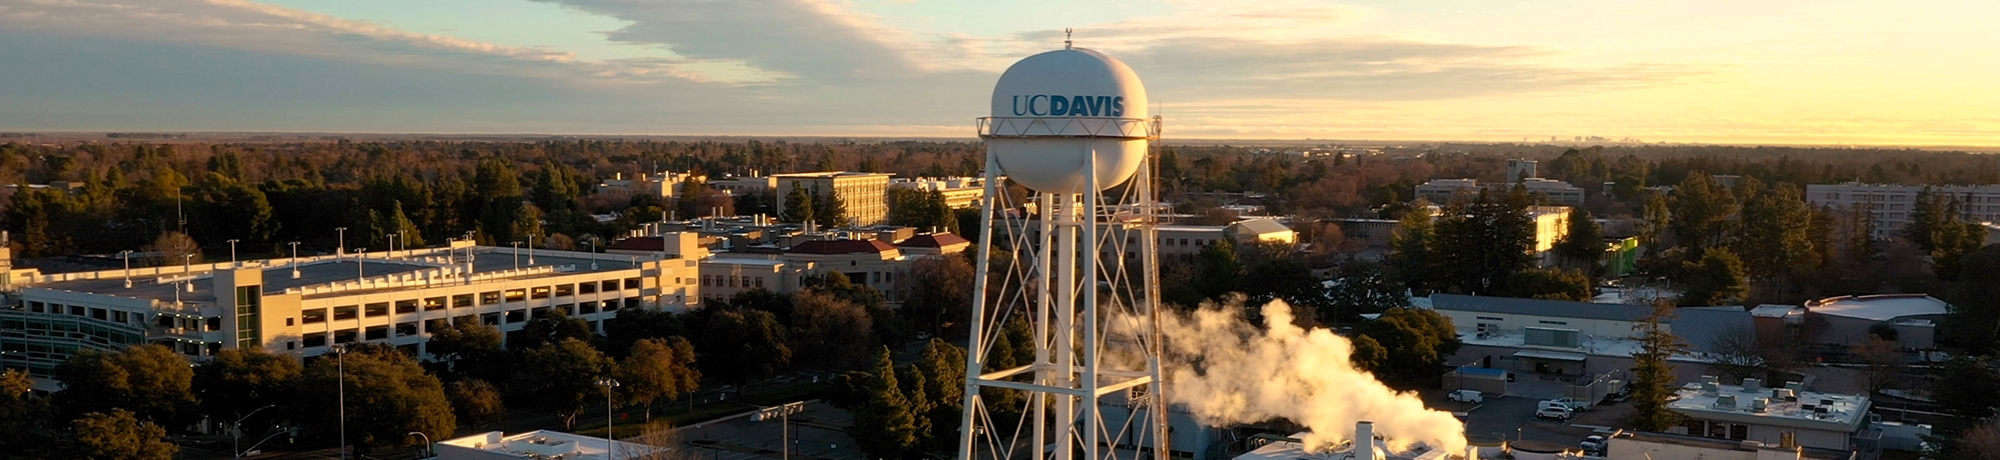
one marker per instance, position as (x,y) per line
(809,40)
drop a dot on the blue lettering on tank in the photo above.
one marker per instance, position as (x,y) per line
(1017,107)
(1118,106)
(1058,106)
(1031,105)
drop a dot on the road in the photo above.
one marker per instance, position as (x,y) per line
(1513,418)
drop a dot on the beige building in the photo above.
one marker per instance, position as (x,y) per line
(1889,205)
(959,192)
(305,308)
(865,259)
(744,185)
(865,194)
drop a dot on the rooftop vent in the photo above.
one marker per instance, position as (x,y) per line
(1725,402)
(1709,389)
(1760,404)
(1795,386)
(1753,384)
(1784,394)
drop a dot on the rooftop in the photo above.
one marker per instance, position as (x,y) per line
(1775,311)
(1881,307)
(1540,307)
(933,240)
(1792,407)
(1292,449)
(827,247)
(330,275)
(541,444)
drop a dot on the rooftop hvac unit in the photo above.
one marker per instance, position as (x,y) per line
(1753,384)
(1784,394)
(1725,402)
(1760,404)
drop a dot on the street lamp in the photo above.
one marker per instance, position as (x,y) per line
(343,241)
(236,438)
(784,415)
(610,442)
(358,266)
(593,254)
(187,270)
(392,244)
(531,249)
(232,252)
(517,255)
(340,366)
(295,260)
(427,453)
(127,254)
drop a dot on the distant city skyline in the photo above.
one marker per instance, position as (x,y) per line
(1769,72)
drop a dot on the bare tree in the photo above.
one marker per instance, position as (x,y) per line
(1884,360)
(170,248)
(665,444)
(1737,353)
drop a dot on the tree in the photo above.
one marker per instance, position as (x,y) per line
(1553,284)
(1285,278)
(1736,353)
(940,293)
(1217,272)
(943,368)
(151,380)
(1480,245)
(1974,321)
(635,324)
(1582,245)
(497,200)
(885,428)
(563,377)
(1716,280)
(120,435)
(1884,359)
(799,207)
(172,248)
(1409,257)
(1652,374)
(470,349)
(1704,213)
(1982,442)
(658,370)
(24,419)
(477,402)
(923,209)
(1415,343)
(388,395)
(828,332)
(739,346)
(554,326)
(1361,287)
(1968,388)
(1775,242)
(830,211)
(239,381)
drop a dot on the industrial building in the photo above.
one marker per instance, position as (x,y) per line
(864,194)
(1551,223)
(541,444)
(1845,320)
(1520,173)
(1563,348)
(1786,416)
(306,305)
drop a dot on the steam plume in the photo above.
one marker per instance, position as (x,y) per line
(1227,371)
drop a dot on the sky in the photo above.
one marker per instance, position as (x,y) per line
(1905,72)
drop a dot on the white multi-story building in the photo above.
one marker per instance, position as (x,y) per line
(1521,173)
(1889,205)
(303,307)
(864,194)
(959,192)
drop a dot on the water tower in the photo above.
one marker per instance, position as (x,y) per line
(1071,127)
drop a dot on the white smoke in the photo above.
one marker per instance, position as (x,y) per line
(1227,371)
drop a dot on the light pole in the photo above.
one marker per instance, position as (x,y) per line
(531,249)
(187,270)
(593,254)
(610,442)
(342,250)
(127,254)
(358,266)
(427,444)
(232,252)
(392,244)
(517,255)
(236,439)
(295,260)
(784,415)
(340,365)
(404,237)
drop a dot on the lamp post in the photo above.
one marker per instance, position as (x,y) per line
(392,244)
(610,442)
(236,439)
(531,249)
(784,415)
(232,251)
(517,255)
(187,270)
(427,444)
(358,266)
(340,366)
(593,254)
(342,250)
(295,260)
(127,254)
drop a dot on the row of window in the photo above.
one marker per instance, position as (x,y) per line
(414,328)
(95,313)
(371,310)
(733,281)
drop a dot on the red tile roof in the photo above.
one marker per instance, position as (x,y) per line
(933,240)
(842,247)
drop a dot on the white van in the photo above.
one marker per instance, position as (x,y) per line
(1466,396)
(1555,413)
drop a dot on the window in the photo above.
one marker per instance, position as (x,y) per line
(344,336)
(36,307)
(314,316)
(122,317)
(515,295)
(610,305)
(1490,318)
(491,319)
(1558,323)
(406,329)
(587,288)
(489,297)
(461,301)
(377,332)
(291,322)
(540,292)
(586,308)
(406,306)
(610,285)
(516,316)
(345,313)
(376,309)
(434,303)
(760,281)
(539,312)
(434,325)
(631,302)
(565,290)
(316,339)
(567,309)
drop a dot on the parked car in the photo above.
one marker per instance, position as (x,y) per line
(1466,396)
(1571,403)
(1594,444)
(1555,413)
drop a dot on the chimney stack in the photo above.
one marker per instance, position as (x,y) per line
(1364,441)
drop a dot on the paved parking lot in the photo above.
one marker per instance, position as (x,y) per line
(816,433)
(1513,418)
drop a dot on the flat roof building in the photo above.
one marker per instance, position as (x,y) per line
(1780,416)
(1847,319)
(303,307)
(539,445)
(866,195)
(1889,205)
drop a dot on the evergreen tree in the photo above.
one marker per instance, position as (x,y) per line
(1217,272)
(1704,213)
(1361,287)
(1479,245)
(1582,245)
(1652,375)
(830,211)
(799,206)
(1776,241)
(1716,279)
(886,427)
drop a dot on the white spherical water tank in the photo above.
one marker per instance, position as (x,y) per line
(1051,110)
